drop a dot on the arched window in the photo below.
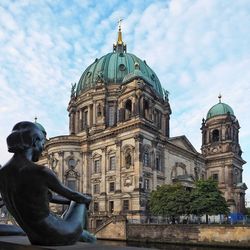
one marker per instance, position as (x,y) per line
(85,118)
(99,110)
(96,164)
(146,109)
(128,109)
(158,163)
(112,162)
(128,159)
(128,156)
(111,115)
(204,137)
(215,135)
(146,159)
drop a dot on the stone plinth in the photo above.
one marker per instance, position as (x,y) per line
(22,243)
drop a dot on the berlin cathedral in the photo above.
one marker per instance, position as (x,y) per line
(119,146)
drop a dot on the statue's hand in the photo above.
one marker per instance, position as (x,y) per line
(86,200)
(81,198)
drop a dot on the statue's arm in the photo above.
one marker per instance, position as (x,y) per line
(1,202)
(56,186)
(57,199)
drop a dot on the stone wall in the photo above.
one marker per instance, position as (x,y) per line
(114,229)
(224,235)
(228,234)
(163,233)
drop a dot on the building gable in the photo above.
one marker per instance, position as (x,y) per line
(183,142)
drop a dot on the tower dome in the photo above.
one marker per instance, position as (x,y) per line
(118,67)
(219,109)
(40,127)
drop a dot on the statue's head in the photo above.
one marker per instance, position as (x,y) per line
(24,136)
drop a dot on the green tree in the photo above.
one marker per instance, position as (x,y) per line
(206,199)
(247,211)
(170,201)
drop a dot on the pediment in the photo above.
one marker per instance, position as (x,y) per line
(183,142)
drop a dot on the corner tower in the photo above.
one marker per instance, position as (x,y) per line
(222,151)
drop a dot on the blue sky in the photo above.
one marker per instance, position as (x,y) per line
(197,48)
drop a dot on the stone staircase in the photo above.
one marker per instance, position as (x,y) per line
(113,228)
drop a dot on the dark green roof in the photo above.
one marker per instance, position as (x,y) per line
(117,68)
(219,109)
(40,127)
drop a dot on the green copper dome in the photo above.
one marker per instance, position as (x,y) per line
(219,109)
(118,67)
(40,127)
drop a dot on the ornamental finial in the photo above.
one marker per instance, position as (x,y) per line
(35,119)
(120,46)
(119,40)
(220,97)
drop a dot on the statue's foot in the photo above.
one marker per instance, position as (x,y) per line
(87,237)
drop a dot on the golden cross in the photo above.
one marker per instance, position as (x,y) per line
(119,23)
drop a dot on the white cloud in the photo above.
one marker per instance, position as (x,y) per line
(197,48)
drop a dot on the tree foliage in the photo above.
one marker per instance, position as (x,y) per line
(170,201)
(207,199)
(175,200)
(247,212)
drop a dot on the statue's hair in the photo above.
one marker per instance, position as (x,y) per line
(22,136)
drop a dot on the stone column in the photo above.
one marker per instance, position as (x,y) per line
(222,175)
(94,113)
(118,168)
(72,122)
(87,169)
(138,154)
(61,160)
(103,170)
(115,112)
(81,120)
(81,172)
(167,125)
(153,160)
(77,122)
(141,105)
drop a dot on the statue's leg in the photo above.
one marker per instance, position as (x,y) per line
(73,214)
(86,236)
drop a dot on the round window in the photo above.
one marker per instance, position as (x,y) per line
(122,67)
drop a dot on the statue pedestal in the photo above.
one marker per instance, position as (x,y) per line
(22,243)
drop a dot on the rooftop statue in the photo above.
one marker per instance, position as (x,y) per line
(26,189)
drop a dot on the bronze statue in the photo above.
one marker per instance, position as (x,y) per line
(26,189)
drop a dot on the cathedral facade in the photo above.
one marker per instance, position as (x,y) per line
(119,146)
